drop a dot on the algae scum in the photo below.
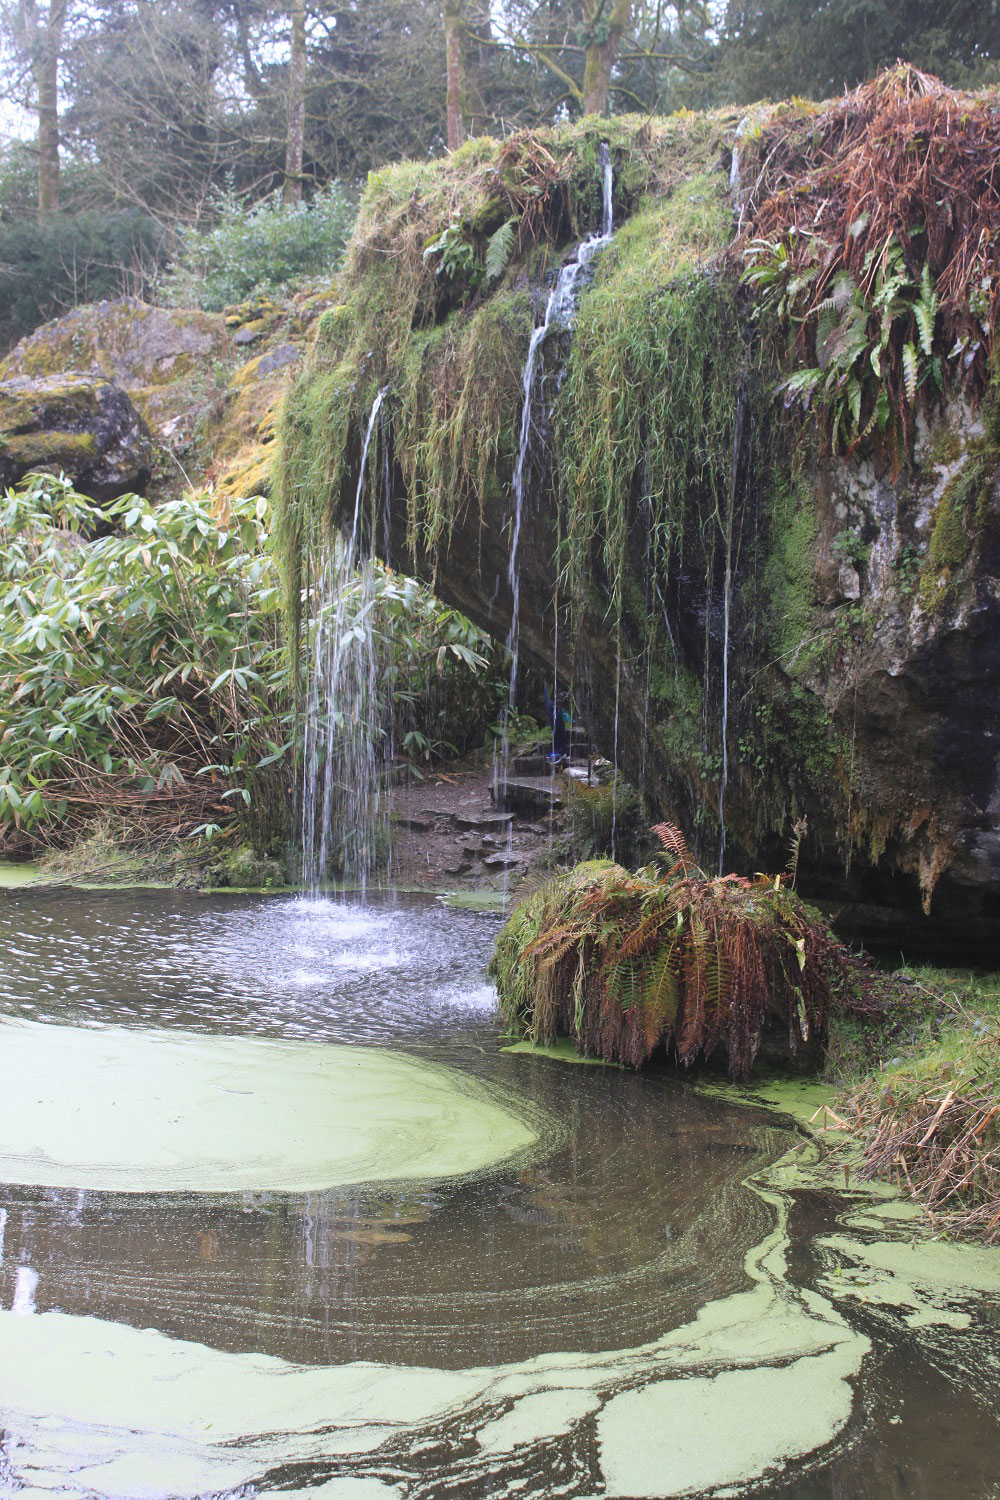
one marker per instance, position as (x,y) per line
(282,1216)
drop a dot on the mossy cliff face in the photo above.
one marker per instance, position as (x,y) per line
(689,552)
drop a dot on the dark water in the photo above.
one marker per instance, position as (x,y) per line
(634,1212)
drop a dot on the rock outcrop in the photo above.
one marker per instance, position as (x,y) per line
(172,363)
(76,424)
(756,631)
(206,385)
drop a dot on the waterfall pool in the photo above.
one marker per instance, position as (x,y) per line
(280,1215)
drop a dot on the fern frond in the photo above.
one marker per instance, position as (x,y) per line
(674,842)
(498,249)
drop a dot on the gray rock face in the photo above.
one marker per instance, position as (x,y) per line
(128,341)
(900,662)
(80,425)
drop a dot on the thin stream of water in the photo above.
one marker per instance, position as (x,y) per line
(560,310)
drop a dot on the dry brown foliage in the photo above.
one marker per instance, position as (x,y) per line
(902,158)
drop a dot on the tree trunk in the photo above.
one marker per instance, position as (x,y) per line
(602,51)
(455,38)
(291,191)
(45,40)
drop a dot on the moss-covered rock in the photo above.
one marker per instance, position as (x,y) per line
(79,425)
(756,630)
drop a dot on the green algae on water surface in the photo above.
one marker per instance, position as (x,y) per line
(561,1050)
(127,1400)
(143,1111)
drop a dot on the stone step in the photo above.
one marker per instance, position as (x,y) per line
(532,765)
(486,822)
(528,796)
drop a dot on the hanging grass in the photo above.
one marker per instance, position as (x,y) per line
(438,306)
(669,959)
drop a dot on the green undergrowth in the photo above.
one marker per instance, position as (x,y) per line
(922,1093)
(933,1032)
(650,392)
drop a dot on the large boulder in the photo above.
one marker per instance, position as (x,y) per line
(80,425)
(173,363)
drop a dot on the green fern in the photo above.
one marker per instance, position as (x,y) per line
(498,249)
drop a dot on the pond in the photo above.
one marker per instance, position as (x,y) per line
(280,1215)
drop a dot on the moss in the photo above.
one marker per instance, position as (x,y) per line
(946,446)
(245,869)
(958,516)
(64,450)
(450,347)
(25,403)
(788,577)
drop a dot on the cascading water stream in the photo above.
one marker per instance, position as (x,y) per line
(739,427)
(341,799)
(560,311)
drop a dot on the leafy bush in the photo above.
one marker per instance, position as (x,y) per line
(139,669)
(259,250)
(65,259)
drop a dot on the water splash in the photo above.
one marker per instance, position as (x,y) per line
(343,746)
(25,1287)
(739,430)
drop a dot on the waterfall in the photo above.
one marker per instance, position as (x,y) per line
(560,311)
(727,595)
(341,800)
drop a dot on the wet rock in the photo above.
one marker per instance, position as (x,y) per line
(497,822)
(80,425)
(506,861)
(528,797)
(884,726)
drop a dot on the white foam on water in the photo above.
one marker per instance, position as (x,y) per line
(25,1287)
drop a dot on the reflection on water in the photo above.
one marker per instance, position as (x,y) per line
(600,1301)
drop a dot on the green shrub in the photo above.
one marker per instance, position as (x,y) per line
(66,259)
(259,250)
(142,672)
(668,957)
(138,671)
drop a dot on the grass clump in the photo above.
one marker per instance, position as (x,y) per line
(667,958)
(927,1105)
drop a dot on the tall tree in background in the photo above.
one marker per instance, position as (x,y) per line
(292,188)
(456,41)
(771,49)
(606,23)
(604,50)
(36,34)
